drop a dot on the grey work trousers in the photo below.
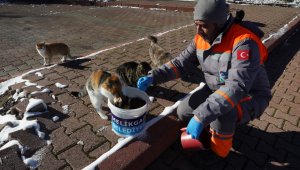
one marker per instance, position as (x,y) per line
(224,124)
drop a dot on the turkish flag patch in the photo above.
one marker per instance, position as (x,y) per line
(243,54)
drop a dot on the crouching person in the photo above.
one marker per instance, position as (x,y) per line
(231,57)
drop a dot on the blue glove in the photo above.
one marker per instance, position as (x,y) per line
(144,82)
(194,128)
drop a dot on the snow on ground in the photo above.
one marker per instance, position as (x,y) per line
(22,124)
(65,109)
(59,85)
(55,118)
(151,98)
(34,161)
(13,125)
(4,85)
(12,143)
(18,95)
(80,142)
(39,74)
(45,90)
(39,86)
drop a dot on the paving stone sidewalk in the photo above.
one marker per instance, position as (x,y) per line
(84,29)
(80,136)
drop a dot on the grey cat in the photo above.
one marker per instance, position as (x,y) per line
(158,55)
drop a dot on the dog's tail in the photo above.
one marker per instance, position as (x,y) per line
(152,38)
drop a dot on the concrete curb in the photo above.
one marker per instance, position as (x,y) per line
(140,153)
(275,41)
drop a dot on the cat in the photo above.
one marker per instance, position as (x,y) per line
(101,85)
(49,50)
(158,55)
(131,71)
(239,15)
(252,26)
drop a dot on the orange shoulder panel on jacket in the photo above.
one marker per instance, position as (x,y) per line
(245,33)
(200,43)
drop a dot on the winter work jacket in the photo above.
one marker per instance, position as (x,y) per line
(233,70)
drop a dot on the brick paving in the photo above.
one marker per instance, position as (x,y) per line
(84,28)
(80,136)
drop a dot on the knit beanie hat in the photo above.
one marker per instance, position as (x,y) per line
(214,11)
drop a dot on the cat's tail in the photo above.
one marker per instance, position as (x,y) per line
(239,15)
(152,38)
(82,92)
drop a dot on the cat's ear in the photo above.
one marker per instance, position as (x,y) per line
(139,68)
(145,66)
(40,43)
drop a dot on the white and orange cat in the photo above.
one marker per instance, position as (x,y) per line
(101,85)
(49,50)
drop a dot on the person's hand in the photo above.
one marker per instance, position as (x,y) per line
(194,127)
(144,82)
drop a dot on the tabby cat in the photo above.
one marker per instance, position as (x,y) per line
(130,72)
(158,55)
(49,50)
(101,85)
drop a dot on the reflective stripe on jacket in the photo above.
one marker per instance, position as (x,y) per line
(232,66)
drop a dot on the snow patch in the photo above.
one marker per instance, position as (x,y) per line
(59,85)
(18,95)
(49,142)
(33,103)
(119,6)
(39,86)
(34,161)
(12,143)
(101,129)
(55,118)
(39,74)
(80,142)
(13,125)
(53,97)
(65,109)
(158,9)
(4,85)
(18,125)
(27,83)
(151,98)
(45,90)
